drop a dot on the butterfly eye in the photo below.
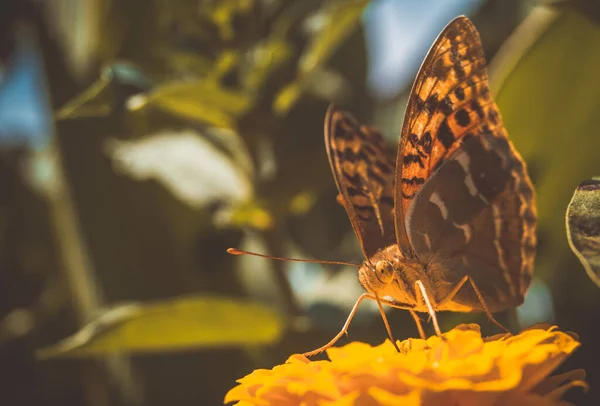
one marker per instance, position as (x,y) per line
(384,270)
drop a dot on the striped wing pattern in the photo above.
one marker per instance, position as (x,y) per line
(363,168)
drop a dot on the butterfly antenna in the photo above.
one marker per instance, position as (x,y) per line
(235,251)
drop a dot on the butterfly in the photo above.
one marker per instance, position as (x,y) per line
(449,222)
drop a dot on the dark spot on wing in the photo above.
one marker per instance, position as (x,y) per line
(462,117)
(460,93)
(445,135)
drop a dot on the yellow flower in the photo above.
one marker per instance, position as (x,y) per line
(462,368)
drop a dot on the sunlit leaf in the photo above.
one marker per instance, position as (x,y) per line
(551,109)
(583,226)
(187,164)
(204,101)
(266,57)
(222,13)
(226,61)
(250,215)
(173,325)
(287,97)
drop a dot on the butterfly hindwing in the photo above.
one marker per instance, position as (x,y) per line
(476,214)
(363,168)
(449,99)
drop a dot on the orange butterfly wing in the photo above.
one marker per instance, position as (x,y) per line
(450,98)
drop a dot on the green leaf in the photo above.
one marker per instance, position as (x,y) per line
(583,226)
(179,324)
(548,92)
(222,13)
(205,101)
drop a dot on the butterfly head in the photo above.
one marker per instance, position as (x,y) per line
(386,273)
(377,274)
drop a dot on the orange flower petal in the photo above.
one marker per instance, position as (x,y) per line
(462,368)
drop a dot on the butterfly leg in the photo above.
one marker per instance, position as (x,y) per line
(487,312)
(484,306)
(387,324)
(425,297)
(344,329)
(418,323)
(454,291)
(404,306)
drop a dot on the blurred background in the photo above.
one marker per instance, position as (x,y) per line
(140,139)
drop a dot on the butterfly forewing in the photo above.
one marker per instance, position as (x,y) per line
(449,99)
(363,168)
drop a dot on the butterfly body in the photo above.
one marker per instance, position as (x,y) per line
(389,274)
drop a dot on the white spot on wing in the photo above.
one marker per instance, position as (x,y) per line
(466,229)
(471,185)
(464,160)
(427,241)
(437,200)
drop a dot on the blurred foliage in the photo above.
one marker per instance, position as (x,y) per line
(160,192)
(583,226)
(203,98)
(220,77)
(239,85)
